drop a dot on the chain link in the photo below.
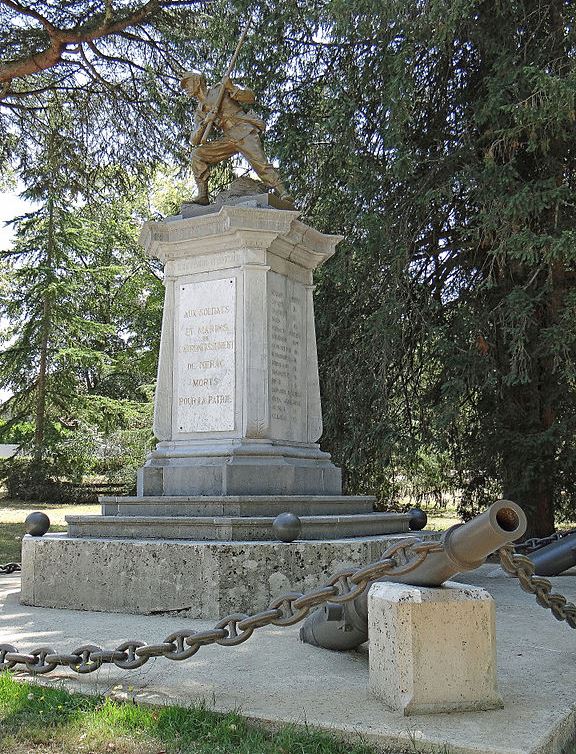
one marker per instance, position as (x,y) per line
(8,568)
(285,610)
(522,568)
(236,628)
(536,543)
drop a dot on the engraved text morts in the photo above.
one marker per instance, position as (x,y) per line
(205,373)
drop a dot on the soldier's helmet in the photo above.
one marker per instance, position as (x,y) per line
(193,81)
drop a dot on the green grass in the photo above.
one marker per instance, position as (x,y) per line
(440,519)
(17,510)
(13,514)
(45,720)
(11,540)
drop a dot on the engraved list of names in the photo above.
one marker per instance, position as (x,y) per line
(205,349)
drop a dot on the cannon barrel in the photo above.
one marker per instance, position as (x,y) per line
(465,548)
(556,557)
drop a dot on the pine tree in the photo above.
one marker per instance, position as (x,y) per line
(438,137)
(83,308)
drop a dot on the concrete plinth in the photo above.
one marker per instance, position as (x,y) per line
(432,650)
(196,579)
(236,505)
(233,528)
(229,468)
(235,518)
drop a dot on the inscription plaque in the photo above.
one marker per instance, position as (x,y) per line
(286,332)
(206,356)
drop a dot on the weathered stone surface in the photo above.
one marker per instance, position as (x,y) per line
(234,528)
(216,468)
(432,650)
(238,416)
(198,579)
(256,196)
(237,505)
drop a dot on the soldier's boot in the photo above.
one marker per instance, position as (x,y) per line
(282,193)
(270,177)
(275,183)
(201,196)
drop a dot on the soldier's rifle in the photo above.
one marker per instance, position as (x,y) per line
(216,109)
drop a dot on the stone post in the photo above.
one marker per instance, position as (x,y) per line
(432,650)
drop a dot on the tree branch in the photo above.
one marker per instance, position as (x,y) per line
(60,38)
(50,28)
(113,58)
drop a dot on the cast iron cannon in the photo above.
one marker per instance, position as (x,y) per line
(465,548)
(556,557)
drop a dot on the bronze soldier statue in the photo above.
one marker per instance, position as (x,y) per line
(222,105)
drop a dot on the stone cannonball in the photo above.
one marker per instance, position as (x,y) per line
(37,524)
(287,527)
(418,519)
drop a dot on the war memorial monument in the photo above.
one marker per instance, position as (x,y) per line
(240,517)
(238,509)
(237,413)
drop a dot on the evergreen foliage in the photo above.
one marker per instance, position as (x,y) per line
(84,308)
(438,137)
(116,63)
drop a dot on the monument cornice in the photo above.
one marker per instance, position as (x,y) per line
(234,228)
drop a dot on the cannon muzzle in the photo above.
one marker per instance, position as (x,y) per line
(465,548)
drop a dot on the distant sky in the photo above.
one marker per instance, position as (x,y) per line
(10,206)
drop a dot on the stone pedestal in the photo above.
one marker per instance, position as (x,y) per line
(194,579)
(432,650)
(237,407)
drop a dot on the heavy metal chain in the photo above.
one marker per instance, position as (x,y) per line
(286,610)
(522,568)
(10,568)
(346,585)
(531,545)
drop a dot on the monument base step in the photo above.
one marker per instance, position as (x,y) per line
(236,505)
(193,579)
(234,528)
(238,468)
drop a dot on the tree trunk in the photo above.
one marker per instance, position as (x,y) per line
(42,381)
(536,497)
(529,442)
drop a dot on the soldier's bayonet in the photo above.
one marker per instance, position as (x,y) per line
(214,114)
